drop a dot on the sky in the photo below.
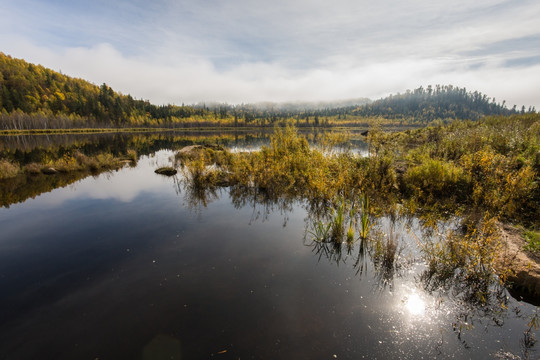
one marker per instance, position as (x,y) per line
(244,51)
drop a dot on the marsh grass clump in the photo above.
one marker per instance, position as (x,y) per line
(206,165)
(108,161)
(433,179)
(499,184)
(337,223)
(289,167)
(77,161)
(132,156)
(68,163)
(93,165)
(339,226)
(33,168)
(385,251)
(320,231)
(203,173)
(529,338)
(211,153)
(365,222)
(8,169)
(486,165)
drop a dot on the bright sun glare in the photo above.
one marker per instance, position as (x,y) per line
(415,305)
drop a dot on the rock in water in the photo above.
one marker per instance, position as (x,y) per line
(167,171)
(49,171)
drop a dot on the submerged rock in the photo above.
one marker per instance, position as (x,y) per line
(167,171)
(190,149)
(195,149)
(49,171)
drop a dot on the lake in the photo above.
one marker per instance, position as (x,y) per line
(130,264)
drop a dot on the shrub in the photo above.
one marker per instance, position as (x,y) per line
(33,168)
(436,179)
(132,155)
(499,184)
(8,169)
(533,240)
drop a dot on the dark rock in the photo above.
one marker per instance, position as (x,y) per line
(167,171)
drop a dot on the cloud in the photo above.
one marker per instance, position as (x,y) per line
(240,51)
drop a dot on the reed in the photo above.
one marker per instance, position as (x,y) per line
(365,224)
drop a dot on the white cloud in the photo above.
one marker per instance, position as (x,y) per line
(241,51)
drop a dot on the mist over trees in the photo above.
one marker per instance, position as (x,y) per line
(34,97)
(439,102)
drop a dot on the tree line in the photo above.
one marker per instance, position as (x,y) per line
(45,98)
(445,102)
(34,97)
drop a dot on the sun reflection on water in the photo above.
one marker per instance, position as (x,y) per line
(415,305)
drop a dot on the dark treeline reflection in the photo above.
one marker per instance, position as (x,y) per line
(35,148)
(48,149)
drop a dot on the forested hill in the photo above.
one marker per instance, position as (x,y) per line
(439,102)
(34,97)
(55,98)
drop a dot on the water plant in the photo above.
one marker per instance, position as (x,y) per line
(529,338)
(320,231)
(385,250)
(337,222)
(365,224)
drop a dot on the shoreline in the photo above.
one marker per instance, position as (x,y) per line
(519,268)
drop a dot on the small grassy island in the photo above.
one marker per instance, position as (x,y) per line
(76,162)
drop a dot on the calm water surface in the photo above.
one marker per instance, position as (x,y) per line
(128,265)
